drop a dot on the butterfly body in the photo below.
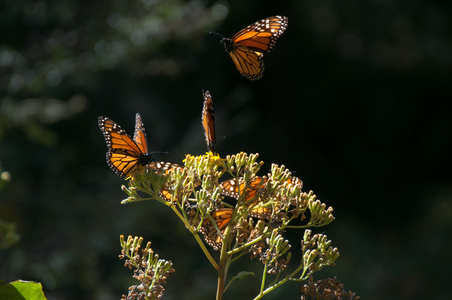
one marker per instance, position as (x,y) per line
(228,44)
(145,159)
(247,46)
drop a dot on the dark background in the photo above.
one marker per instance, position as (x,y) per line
(356,99)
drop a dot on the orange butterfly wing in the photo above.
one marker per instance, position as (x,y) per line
(208,122)
(163,168)
(124,154)
(213,237)
(232,188)
(262,35)
(295,181)
(122,164)
(139,136)
(249,63)
(247,46)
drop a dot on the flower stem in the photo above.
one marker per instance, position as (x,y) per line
(197,238)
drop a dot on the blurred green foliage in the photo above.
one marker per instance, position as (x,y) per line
(356,98)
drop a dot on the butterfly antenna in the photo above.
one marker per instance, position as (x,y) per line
(159,152)
(216,33)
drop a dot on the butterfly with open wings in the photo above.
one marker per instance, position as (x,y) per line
(252,192)
(214,234)
(247,47)
(125,154)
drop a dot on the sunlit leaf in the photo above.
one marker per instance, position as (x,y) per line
(21,289)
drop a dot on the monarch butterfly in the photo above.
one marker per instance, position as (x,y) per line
(213,237)
(247,46)
(208,122)
(163,168)
(125,154)
(232,188)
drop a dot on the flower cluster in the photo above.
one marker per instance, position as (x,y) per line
(151,271)
(244,213)
(328,288)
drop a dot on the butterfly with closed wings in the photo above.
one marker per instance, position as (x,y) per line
(208,122)
(246,47)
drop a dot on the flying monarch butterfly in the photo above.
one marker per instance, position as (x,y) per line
(213,237)
(125,154)
(246,47)
(208,122)
(233,188)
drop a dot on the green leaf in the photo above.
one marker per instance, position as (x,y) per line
(22,290)
(240,275)
(243,274)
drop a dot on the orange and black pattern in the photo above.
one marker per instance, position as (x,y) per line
(163,168)
(125,154)
(254,189)
(208,122)
(247,46)
(234,189)
(214,234)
